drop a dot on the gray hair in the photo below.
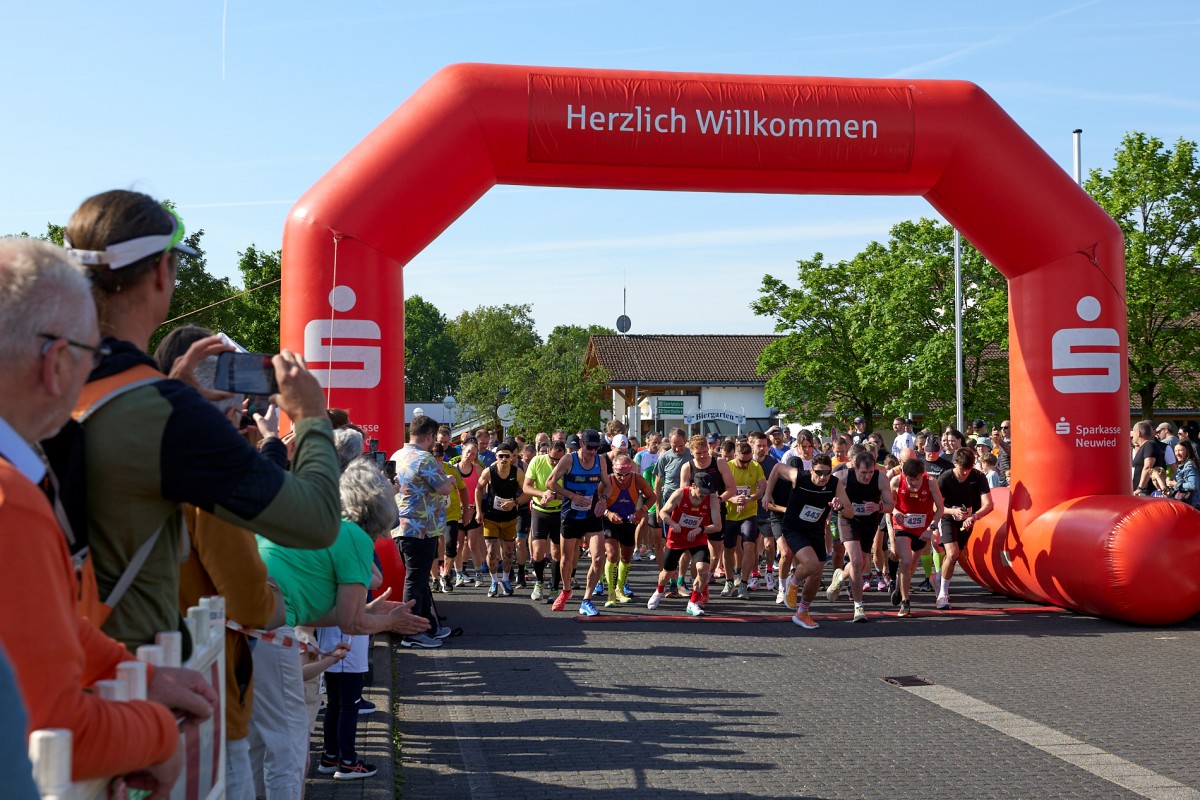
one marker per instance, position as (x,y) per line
(367,498)
(42,290)
(349,444)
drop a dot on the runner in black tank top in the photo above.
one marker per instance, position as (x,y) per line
(866,492)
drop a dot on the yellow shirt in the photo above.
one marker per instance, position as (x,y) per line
(454,499)
(746,479)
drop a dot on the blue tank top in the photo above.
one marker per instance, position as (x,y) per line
(581,481)
(621,501)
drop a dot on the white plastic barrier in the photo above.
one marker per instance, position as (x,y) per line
(203,776)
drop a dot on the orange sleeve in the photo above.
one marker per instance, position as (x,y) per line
(46,643)
(229,556)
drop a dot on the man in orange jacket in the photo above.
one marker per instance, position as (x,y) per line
(48,345)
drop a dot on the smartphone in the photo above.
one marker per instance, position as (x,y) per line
(245,373)
(389,469)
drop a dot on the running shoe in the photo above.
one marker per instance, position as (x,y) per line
(441,633)
(779,596)
(587,609)
(772,581)
(477,583)
(600,589)
(328,765)
(943,601)
(611,602)
(881,586)
(925,586)
(835,585)
(637,555)
(728,590)
(719,573)
(805,620)
(650,556)
(626,591)
(622,596)
(423,640)
(742,592)
(654,600)
(352,772)
(495,590)
(521,583)
(366,706)
(447,586)
(752,583)
(459,581)
(694,609)
(866,584)
(895,596)
(905,609)
(791,595)
(561,603)
(675,590)
(859,615)
(506,587)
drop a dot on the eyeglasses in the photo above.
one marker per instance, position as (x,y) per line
(1004,427)
(99,352)
(503,455)
(822,473)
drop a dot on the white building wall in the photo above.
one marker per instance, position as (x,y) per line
(734,399)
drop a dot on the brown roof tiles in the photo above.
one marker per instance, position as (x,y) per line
(679,359)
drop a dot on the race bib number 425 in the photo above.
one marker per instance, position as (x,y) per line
(913,520)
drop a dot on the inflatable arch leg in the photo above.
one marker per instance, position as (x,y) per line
(1069,533)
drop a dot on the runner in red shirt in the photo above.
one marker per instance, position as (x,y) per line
(913,523)
(691,514)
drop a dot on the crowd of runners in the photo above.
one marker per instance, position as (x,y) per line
(761,512)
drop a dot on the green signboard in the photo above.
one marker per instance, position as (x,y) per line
(670,408)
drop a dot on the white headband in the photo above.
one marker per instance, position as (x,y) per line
(122,254)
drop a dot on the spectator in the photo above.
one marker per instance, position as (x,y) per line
(1147,456)
(1003,443)
(223,560)
(160,444)
(49,342)
(1186,485)
(422,519)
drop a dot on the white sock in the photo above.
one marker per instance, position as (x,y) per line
(945,586)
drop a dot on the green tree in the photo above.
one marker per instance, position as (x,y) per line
(493,343)
(551,389)
(431,355)
(255,323)
(1153,192)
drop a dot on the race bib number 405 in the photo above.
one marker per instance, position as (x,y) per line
(689,521)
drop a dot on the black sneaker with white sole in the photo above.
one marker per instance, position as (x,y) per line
(352,772)
(328,765)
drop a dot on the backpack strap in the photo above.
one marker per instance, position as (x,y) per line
(99,392)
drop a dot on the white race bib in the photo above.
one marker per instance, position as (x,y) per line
(689,521)
(582,505)
(498,503)
(811,513)
(913,521)
(860,509)
(743,491)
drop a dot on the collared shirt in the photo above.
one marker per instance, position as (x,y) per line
(18,453)
(422,510)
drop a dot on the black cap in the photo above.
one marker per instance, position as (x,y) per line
(859,419)
(573,441)
(702,481)
(592,438)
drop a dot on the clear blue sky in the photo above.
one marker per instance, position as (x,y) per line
(233,109)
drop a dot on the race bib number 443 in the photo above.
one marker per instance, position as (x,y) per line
(811,513)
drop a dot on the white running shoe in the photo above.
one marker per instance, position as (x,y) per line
(654,600)
(943,600)
(779,596)
(772,581)
(694,609)
(835,585)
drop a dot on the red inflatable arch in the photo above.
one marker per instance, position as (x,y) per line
(1069,534)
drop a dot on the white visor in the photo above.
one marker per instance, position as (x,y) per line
(122,254)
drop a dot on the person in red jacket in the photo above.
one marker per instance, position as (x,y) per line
(49,344)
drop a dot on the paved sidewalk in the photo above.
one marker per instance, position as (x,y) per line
(1024,702)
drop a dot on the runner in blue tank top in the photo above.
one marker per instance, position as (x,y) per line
(582,482)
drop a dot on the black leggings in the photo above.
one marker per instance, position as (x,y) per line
(343,690)
(418,558)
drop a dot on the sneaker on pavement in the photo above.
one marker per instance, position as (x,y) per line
(328,765)
(351,772)
(521,584)
(621,597)
(637,555)
(943,601)
(859,615)
(600,589)
(728,590)
(694,609)
(626,591)
(495,590)
(866,584)
(421,640)
(835,585)
(650,556)
(772,581)
(895,596)
(587,609)
(611,602)
(925,586)
(447,586)
(805,620)
(441,633)
(779,596)
(366,706)
(538,590)
(654,600)
(752,583)
(459,581)
(742,591)
(905,609)
(791,595)
(560,604)
(881,586)
(506,587)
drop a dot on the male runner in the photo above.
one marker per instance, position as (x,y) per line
(721,480)
(690,515)
(740,531)
(767,525)
(582,482)
(804,527)
(967,497)
(469,470)
(865,489)
(666,480)
(918,509)
(545,521)
(628,494)
(498,496)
